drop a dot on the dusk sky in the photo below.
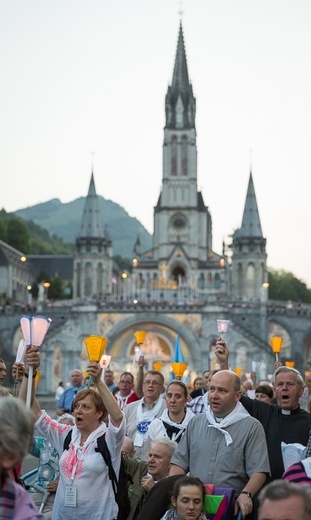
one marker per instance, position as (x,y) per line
(84,82)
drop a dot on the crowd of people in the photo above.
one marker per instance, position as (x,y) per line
(177,447)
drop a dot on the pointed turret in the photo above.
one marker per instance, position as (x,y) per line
(93,251)
(91,224)
(251,226)
(249,268)
(179,101)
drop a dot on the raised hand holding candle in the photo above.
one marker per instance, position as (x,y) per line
(34,330)
(222,326)
(95,346)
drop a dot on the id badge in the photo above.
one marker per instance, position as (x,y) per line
(71,496)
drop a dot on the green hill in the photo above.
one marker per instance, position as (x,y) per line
(64,220)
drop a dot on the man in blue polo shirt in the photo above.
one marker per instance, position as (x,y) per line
(64,404)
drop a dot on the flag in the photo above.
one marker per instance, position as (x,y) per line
(178,355)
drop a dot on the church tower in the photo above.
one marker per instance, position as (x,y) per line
(182,241)
(249,269)
(180,216)
(93,252)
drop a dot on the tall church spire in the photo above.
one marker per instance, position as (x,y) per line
(251,226)
(91,224)
(180,102)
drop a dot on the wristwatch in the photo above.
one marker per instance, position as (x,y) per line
(247,493)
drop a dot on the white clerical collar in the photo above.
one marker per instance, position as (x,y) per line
(286,412)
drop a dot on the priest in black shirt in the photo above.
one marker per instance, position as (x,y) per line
(282,422)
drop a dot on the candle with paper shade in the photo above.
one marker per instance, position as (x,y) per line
(276,345)
(290,364)
(34,330)
(179,369)
(140,336)
(238,371)
(95,347)
(222,326)
(157,365)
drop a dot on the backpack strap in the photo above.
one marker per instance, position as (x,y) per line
(67,440)
(103,449)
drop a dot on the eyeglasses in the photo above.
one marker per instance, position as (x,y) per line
(152,383)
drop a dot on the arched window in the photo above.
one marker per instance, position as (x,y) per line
(174,156)
(240,280)
(184,157)
(100,280)
(201,281)
(250,276)
(217,281)
(88,274)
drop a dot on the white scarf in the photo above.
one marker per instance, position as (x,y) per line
(181,426)
(237,414)
(122,401)
(144,416)
(205,400)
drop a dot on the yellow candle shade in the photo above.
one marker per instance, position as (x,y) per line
(157,365)
(238,371)
(85,374)
(290,364)
(307,372)
(37,378)
(95,346)
(140,336)
(179,368)
(276,344)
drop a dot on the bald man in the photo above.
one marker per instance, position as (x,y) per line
(233,444)
(64,404)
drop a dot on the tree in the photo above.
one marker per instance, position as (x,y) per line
(285,286)
(3,232)
(18,235)
(56,289)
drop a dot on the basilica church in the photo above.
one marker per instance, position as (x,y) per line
(180,286)
(181,261)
